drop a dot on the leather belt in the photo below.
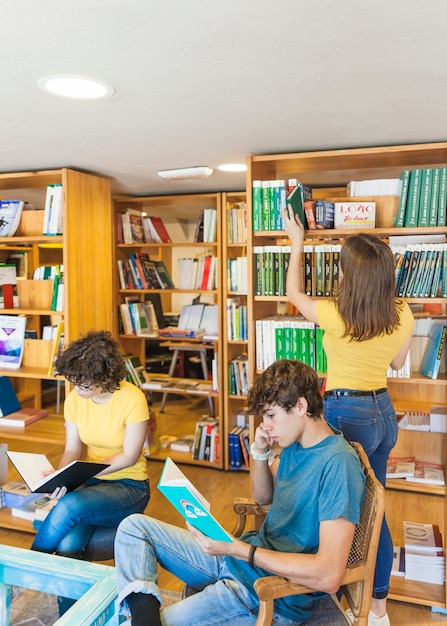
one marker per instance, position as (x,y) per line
(348,393)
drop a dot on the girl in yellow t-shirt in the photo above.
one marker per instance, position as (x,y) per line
(366,330)
(106,421)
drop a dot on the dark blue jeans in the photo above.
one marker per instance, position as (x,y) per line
(371,421)
(67,529)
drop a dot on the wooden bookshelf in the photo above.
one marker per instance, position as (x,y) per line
(328,173)
(85,251)
(180,215)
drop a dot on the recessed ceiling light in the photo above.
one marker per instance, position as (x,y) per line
(196,171)
(78,87)
(233,167)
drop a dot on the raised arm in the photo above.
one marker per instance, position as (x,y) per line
(294,284)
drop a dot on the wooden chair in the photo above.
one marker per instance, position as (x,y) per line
(357,582)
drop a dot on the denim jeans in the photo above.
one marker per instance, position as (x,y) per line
(67,529)
(142,541)
(371,421)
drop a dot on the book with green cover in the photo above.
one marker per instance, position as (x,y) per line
(189,502)
(400,219)
(414,195)
(425,198)
(442,196)
(434,200)
(295,203)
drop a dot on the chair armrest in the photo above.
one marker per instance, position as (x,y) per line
(272,587)
(247,506)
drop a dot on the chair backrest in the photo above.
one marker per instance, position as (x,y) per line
(358,580)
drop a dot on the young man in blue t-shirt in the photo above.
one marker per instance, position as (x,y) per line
(315,488)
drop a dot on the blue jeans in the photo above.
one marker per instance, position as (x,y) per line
(67,529)
(371,421)
(141,542)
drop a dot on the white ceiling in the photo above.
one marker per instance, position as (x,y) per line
(204,82)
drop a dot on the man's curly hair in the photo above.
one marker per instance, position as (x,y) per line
(95,359)
(282,383)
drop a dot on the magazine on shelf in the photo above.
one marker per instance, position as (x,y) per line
(12,340)
(30,467)
(189,502)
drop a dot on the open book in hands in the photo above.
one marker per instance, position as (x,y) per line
(189,502)
(31,466)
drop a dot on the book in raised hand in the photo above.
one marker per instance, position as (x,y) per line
(31,466)
(189,502)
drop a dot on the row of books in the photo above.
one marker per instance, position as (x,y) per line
(424,197)
(237,325)
(198,272)
(237,277)
(435,421)
(270,265)
(206,227)
(237,223)
(422,558)
(414,471)
(238,376)
(134,227)
(421,270)
(270,198)
(239,447)
(287,337)
(139,271)
(137,318)
(53,217)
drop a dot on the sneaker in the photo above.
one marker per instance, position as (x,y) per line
(373,620)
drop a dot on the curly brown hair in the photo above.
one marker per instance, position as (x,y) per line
(94,359)
(282,383)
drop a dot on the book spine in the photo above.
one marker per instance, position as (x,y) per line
(442,197)
(257,205)
(400,218)
(414,194)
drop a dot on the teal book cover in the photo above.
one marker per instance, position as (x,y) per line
(433,351)
(189,502)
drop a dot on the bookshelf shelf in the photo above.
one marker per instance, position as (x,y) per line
(328,173)
(180,215)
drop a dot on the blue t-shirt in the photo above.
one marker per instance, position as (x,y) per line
(313,485)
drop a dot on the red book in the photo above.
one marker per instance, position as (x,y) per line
(159,226)
(23,417)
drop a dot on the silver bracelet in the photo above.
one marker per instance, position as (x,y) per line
(257,456)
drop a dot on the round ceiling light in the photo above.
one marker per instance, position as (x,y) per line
(77,87)
(233,167)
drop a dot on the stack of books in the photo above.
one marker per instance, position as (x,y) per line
(424,555)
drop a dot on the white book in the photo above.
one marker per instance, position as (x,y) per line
(31,466)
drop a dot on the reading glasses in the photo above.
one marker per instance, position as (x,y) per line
(76,384)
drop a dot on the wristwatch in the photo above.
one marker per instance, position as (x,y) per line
(257,456)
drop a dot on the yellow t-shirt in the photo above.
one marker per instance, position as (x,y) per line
(101,427)
(359,364)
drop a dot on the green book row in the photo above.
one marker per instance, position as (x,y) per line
(423,198)
(270,270)
(288,337)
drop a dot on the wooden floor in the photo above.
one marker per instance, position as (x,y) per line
(219,487)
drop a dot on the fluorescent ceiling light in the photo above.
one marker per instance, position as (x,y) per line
(233,167)
(77,87)
(196,171)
